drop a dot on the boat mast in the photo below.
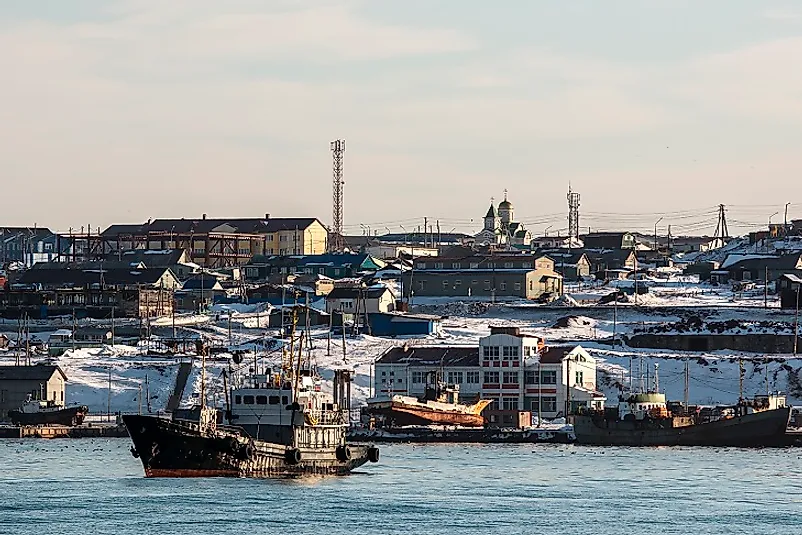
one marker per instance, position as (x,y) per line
(203,378)
(657,377)
(686,383)
(740,379)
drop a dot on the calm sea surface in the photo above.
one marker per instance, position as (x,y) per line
(96,487)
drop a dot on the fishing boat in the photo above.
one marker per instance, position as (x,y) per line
(47,412)
(644,418)
(438,405)
(277,422)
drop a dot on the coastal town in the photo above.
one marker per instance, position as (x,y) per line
(148,318)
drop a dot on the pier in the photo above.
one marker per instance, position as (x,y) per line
(63,431)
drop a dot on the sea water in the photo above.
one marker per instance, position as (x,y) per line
(94,486)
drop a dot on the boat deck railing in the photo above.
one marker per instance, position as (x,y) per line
(323,417)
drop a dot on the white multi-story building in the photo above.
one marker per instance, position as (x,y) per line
(517,371)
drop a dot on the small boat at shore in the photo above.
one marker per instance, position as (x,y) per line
(47,412)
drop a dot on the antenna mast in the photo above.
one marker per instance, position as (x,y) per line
(573,216)
(336,240)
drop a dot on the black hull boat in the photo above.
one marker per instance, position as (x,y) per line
(46,413)
(170,448)
(753,430)
(279,423)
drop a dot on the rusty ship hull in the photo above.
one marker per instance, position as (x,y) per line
(169,448)
(398,413)
(758,429)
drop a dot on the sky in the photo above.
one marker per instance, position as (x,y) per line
(116,111)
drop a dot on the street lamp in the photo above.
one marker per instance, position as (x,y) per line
(772,215)
(546,232)
(655,233)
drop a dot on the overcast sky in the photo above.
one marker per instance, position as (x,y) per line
(114,111)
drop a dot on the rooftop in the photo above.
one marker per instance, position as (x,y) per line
(38,372)
(431,356)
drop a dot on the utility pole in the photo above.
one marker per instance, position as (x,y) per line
(112,325)
(796,318)
(425,231)
(615,319)
(656,247)
(766,289)
(108,407)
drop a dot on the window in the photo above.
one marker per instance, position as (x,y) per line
(261,400)
(282,238)
(530,377)
(420,265)
(421,285)
(274,400)
(506,352)
(510,378)
(487,285)
(474,282)
(578,378)
(508,265)
(486,351)
(503,286)
(248,400)
(336,272)
(457,283)
(531,285)
(491,377)
(237,400)
(549,403)
(445,284)
(517,286)
(509,404)
(284,400)
(438,265)
(417,377)
(495,351)
(472,377)
(456,265)
(455,377)
(548,377)
(399,381)
(474,265)
(514,351)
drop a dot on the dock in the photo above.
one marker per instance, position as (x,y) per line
(63,431)
(446,434)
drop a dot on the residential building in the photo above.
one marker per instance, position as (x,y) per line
(611,263)
(570,263)
(39,382)
(359,300)
(523,276)
(758,268)
(518,372)
(29,245)
(332,265)
(60,290)
(609,240)
(788,286)
(220,242)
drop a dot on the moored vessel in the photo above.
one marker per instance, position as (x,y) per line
(277,422)
(47,412)
(438,405)
(646,419)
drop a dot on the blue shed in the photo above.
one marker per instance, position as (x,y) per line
(398,324)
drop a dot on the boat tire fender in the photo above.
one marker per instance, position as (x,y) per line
(246,452)
(343,453)
(373,454)
(134,453)
(292,456)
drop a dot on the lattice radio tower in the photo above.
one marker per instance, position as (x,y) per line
(336,240)
(573,215)
(722,231)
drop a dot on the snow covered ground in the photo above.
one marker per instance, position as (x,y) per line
(713,375)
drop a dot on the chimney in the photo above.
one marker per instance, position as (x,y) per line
(267,216)
(204,216)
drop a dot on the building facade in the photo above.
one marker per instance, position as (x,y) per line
(516,371)
(217,242)
(348,300)
(500,226)
(522,276)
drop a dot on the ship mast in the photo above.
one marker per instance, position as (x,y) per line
(203,378)
(687,376)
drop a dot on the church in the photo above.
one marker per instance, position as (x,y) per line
(500,227)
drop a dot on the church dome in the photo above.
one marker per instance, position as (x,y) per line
(505,205)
